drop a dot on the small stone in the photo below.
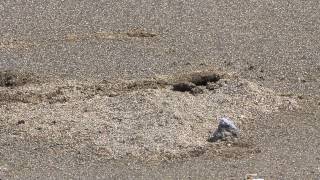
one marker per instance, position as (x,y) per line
(226,131)
(183,86)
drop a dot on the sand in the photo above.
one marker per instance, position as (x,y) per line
(86,89)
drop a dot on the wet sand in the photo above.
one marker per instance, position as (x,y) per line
(86,89)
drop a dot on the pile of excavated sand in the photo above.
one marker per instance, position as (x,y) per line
(142,119)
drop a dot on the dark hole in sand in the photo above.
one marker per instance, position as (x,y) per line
(183,87)
(198,79)
(202,80)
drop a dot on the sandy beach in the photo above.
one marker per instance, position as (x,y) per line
(87,89)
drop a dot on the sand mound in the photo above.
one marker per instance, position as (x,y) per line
(143,119)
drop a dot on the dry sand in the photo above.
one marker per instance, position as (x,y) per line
(86,89)
(140,119)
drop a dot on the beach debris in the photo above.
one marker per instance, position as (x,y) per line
(226,131)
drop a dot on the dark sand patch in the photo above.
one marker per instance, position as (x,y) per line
(10,78)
